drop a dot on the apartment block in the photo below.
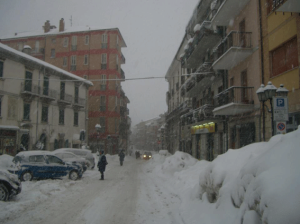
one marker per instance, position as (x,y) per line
(90,53)
(41,107)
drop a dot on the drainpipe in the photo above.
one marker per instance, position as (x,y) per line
(262,68)
(37,106)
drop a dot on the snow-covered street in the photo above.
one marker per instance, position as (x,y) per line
(252,185)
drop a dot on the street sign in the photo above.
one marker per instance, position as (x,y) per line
(281,127)
(280,109)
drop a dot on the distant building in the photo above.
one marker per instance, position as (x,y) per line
(90,53)
(41,106)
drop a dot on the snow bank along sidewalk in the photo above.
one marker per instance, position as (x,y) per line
(258,183)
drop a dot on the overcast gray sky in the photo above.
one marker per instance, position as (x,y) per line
(152,29)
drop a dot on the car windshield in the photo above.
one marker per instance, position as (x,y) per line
(150,111)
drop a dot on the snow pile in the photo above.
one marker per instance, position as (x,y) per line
(6,161)
(258,183)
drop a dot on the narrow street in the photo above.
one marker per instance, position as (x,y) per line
(127,195)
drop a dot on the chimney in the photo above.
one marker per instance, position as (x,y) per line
(46,26)
(61,25)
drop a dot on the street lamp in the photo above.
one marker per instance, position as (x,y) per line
(98,128)
(265,93)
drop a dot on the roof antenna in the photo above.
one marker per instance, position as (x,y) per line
(71,20)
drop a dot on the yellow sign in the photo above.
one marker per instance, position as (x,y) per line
(203,128)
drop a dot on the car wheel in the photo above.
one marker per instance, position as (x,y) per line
(73,175)
(26,176)
(3,193)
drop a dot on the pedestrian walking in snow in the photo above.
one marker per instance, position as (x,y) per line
(122,156)
(102,164)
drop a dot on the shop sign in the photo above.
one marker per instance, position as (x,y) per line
(203,128)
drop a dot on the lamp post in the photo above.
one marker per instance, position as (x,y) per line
(265,93)
(98,128)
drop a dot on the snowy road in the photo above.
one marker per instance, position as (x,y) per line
(127,195)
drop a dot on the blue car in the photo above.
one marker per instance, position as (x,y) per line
(43,165)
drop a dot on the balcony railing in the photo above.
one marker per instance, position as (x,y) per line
(48,94)
(65,98)
(234,48)
(79,102)
(286,6)
(122,74)
(234,94)
(29,88)
(122,59)
(73,47)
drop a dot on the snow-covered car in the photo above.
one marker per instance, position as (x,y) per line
(43,165)
(10,185)
(84,153)
(147,155)
(72,158)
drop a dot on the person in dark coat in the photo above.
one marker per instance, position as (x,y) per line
(122,156)
(102,164)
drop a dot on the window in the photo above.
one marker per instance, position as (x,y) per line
(52,53)
(1,68)
(104,41)
(46,86)
(73,63)
(53,40)
(54,159)
(75,118)
(44,114)
(86,40)
(62,90)
(117,62)
(26,112)
(102,103)
(36,159)
(0,106)
(284,58)
(103,61)
(61,119)
(232,81)
(66,42)
(116,105)
(28,81)
(65,61)
(103,82)
(37,46)
(86,61)
(76,94)
(102,124)
(74,43)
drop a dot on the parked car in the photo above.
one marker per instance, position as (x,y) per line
(84,153)
(147,155)
(42,165)
(72,158)
(10,185)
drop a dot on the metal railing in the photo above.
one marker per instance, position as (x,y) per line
(123,59)
(29,88)
(277,3)
(235,94)
(66,97)
(122,74)
(49,92)
(234,39)
(79,101)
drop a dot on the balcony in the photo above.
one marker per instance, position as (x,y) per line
(122,75)
(29,90)
(48,95)
(201,113)
(123,111)
(234,100)
(224,13)
(201,78)
(199,14)
(79,103)
(204,38)
(122,59)
(286,5)
(235,48)
(65,99)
